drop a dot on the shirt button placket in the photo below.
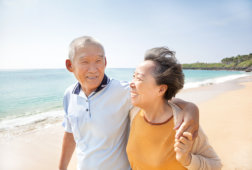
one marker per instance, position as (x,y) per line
(87,108)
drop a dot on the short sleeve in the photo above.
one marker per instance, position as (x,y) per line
(66,123)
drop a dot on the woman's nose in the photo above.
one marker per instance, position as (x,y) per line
(132,84)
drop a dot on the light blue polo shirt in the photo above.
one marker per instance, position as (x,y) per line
(99,124)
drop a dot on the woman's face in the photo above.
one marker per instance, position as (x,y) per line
(143,86)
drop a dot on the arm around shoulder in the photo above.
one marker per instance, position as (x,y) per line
(187,119)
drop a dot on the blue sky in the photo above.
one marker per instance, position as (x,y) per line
(36,33)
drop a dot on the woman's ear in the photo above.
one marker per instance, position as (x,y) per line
(163,89)
(69,65)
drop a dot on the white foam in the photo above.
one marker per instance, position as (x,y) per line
(213,81)
(13,123)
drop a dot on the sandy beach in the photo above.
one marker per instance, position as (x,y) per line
(225,115)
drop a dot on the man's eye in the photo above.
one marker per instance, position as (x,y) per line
(98,61)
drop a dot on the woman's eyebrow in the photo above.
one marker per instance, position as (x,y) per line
(141,74)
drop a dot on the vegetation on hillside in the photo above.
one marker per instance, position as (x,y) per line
(240,62)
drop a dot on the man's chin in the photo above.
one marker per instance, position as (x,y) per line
(93,85)
(94,81)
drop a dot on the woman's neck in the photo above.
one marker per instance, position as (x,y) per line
(158,111)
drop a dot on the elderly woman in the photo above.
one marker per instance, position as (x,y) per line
(152,143)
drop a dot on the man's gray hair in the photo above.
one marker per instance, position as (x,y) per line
(82,42)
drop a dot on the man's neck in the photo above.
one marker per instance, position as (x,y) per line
(87,92)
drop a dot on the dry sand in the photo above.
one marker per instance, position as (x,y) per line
(227,120)
(37,150)
(225,115)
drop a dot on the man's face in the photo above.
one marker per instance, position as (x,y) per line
(88,66)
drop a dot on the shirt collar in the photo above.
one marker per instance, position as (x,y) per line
(103,84)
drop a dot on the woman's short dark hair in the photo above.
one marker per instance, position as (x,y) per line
(167,71)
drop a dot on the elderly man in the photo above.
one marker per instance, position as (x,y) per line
(96,111)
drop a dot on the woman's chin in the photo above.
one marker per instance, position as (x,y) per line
(134,103)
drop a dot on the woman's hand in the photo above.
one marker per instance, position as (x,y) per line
(182,147)
(187,120)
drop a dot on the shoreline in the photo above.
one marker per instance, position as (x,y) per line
(207,92)
(40,149)
(247,69)
(16,125)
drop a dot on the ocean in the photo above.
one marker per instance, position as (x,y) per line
(31,99)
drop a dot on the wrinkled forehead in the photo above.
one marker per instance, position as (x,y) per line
(89,47)
(89,50)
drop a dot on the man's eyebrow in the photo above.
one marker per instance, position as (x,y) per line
(83,56)
(101,55)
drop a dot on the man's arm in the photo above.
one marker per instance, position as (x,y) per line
(188,119)
(68,147)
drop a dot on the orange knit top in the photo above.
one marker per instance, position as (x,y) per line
(150,146)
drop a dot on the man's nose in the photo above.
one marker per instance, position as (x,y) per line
(92,68)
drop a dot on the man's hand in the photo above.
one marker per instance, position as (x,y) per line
(182,147)
(188,119)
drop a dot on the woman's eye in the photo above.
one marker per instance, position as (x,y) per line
(136,77)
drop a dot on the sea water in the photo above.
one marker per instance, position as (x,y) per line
(32,97)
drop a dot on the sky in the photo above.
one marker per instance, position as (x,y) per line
(37,33)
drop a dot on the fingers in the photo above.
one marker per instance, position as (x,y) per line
(189,126)
(193,129)
(177,149)
(183,140)
(179,145)
(184,143)
(182,129)
(188,135)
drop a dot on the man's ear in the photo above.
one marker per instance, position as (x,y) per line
(105,60)
(69,65)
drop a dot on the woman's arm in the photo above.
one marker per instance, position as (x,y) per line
(201,156)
